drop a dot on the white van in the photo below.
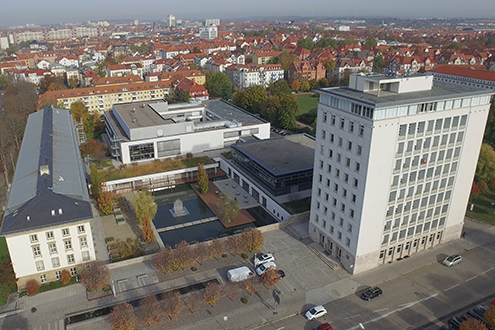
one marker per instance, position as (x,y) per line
(239,274)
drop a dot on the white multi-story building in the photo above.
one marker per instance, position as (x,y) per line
(243,76)
(170,20)
(212,21)
(4,42)
(59,34)
(157,130)
(394,164)
(47,218)
(208,32)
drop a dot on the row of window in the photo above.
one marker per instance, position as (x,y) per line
(338,233)
(410,221)
(346,178)
(423,202)
(343,124)
(58,274)
(50,235)
(429,142)
(40,265)
(52,247)
(348,106)
(441,124)
(408,245)
(340,143)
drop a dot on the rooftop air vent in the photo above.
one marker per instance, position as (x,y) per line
(44,170)
(134,120)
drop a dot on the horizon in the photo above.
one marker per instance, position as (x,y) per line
(15,15)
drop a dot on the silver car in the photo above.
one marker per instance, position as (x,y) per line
(452,260)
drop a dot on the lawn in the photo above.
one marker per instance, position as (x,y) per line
(483,209)
(4,252)
(307,102)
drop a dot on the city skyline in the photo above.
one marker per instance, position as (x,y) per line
(15,15)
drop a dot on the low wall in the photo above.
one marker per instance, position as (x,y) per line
(299,217)
(132,261)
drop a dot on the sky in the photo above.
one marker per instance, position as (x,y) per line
(58,11)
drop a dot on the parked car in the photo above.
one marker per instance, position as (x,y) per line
(452,260)
(262,268)
(281,273)
(371,293)
(456,321)
(262,258)
(324,326)
(315,312)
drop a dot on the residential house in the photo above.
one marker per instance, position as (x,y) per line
(196,92)
(306,70)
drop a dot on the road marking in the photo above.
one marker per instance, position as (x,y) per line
(454,286)
(353,316)
(472,278)
(380,310)
(280,328)
(486,271)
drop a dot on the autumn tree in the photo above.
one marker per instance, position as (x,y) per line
(489,316)
(251,285)
(94,149)
(305,86)
(483,187)
(79,112)
(235,244)
(95,275)
(51,83)
(285,59)
(65,277)
(165,260)
(472,324)
(144,206)
(148,234)
(193,300)
(73,82)
(105,202)
(32,287)
(184,254)
(123,317)
(5,148)
(202,179)
(172,304)
(270,277)
(20,98)
(150,312)
(202,252)
(217,247)
(16,125)
(231,290)
(295,86)
(46,103)
(212,293)
(475,191)
(252,238)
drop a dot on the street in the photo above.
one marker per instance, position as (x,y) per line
(424,299)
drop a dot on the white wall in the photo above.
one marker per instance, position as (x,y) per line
(21,251)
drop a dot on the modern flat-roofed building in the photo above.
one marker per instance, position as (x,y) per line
(464,75)
(153,130)
(394,164)
(48,213)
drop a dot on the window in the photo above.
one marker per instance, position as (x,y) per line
(65,232)
(80,229)
(68,245)
(347,162)
(349,228)
(351,126)
(342,123)
(43,278)
(341,141)
(339,235)
(70,259)
(85,255)
(359,150)
(49,235)
(346,177)
(356,183)
(52,247)
(347,241)
(40,265)
(382,254)
(36,251)
(58,274)
(358,166)
(351,213)
(333,120)
(324,117)
(349,145)
(353,198)
(361,130)
(55,262)
(73,272)
(33,238)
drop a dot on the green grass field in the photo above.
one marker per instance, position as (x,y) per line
(483,209)
(307,102)
(4,252)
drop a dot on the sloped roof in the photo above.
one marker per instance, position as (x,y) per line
(49,185)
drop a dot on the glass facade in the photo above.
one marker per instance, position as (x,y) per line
(141,151)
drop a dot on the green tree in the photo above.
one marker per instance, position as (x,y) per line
(306,43)
(326,42)
(279,87)
(281,110)
(330,65)
(285,59)
(313,83)
(489,136)
(250,99)
(144,206)
(378,63)
(218,85)
(95,179)
(202,179)
(5,81)
(79,111)
(347,41)
(370,42)
(228,207)
(183,96)
(73,82)
(305,86)
(295,86)
(323,82)
(485,170)
(61,105)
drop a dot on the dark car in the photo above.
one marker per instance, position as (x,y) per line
(281,273)
(456,321)
(324,326)
(371,293)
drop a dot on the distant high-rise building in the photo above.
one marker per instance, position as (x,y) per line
(4,43)
(212,21)
(208,32)
(170,20)
(394,163)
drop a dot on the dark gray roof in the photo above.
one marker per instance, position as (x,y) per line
(439,91)
(227,111)
(284,155)
(49,178)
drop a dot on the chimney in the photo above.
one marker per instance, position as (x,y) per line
(44,170)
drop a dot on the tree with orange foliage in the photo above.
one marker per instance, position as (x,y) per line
(32,287)
(473,324)
(251,285)
(105,202)
(252,238)
(150,312)
(122,317)
(489,316)
(172,304)
(148,234)
(270,277)
(65,277)
(212,293)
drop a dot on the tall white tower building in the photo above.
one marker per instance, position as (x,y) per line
(394,163)
(170,20)
(208,32)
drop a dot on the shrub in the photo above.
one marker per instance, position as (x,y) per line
(65,277)
(224,255)
(189,155)
(244,300)
(33,310)
(32,287)
(194,269)
(244,256)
